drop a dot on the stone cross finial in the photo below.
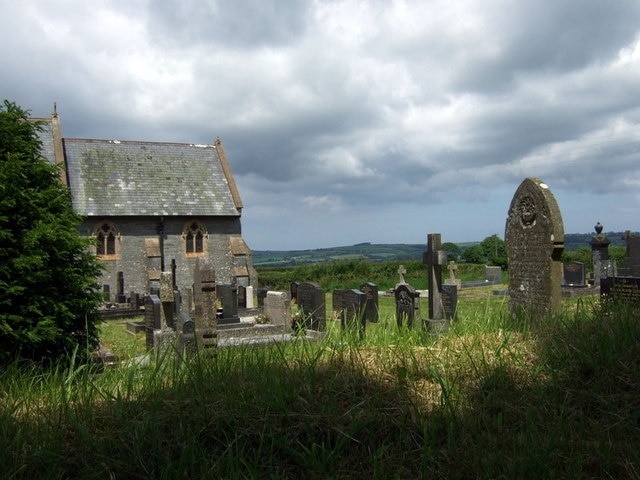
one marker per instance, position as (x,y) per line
(402,271)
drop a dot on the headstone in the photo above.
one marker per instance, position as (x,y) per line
(371,309)
(262,294)
(228,295)
(206,323)
(121,297)
(493,274)
(106,293)
(353,307)
(277,308)
(242,296)
(186,334)
(600,255)
(249,293)
(336,302)
(449,297)
(534,239)
(451,279)
(167,298)
(435,258)
(401,273)
(621,289)
(293,290)
(573,274)
(631,264)
(407,304)
(311,301)
(152,318)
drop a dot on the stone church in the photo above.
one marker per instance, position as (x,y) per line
(153,207)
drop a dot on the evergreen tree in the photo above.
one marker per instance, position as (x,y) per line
(48,278)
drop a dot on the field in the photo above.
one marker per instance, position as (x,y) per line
(495,397)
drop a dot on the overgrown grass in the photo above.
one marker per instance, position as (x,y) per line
(492,398)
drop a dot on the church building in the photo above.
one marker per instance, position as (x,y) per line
(153,207)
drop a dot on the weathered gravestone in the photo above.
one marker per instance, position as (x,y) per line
(493,274)
(293,290)
(152,319)
(451,279)
(534,240)
(336,302)
(407,304)
(242,296)
(573,274)
(353,307)
(621,289)
(262,294)
(371,310)
(206,323)
(312,304)
(277,308)
(600,255)
(631,264)
(435,258)
(228,296)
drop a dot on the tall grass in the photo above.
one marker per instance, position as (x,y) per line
(492,398)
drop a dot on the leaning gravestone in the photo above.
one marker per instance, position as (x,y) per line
(534,239)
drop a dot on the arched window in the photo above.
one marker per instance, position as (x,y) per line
(194,238)
(106,235)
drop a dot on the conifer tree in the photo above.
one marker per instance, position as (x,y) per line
(48,277)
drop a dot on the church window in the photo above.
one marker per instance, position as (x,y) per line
(194,238)
(106,236)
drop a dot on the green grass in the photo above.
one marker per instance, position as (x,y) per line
(493,398)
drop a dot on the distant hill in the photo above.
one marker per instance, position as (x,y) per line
(381,252)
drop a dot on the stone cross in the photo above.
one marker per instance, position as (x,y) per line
(453,268)
(435,258)
(402,271)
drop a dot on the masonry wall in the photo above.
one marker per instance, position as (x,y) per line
(139,253)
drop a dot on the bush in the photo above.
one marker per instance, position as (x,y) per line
(48,287)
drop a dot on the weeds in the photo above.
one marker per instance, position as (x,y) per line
(492,398)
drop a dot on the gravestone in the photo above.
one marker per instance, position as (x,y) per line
(371,309)
(277,308)
(401,272)
(106,293)
(206,323)
(621,289)
(262,294)
(600,255)
(311,301)
(353,311)
(407,304)
(631,264)
(493,274)
(573,274)
(336,302)
(435,258)
(152,319)
(242,296)
(534,239)
(452,267)
(249,293)
(293,289)
(167,298)
(228,295)
(449,298)
(186,328)
(121,297)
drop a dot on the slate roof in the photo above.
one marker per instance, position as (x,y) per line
(131,178)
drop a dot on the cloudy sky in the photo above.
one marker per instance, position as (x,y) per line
(355,121)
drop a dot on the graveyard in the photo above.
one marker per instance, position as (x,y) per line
(428,372)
